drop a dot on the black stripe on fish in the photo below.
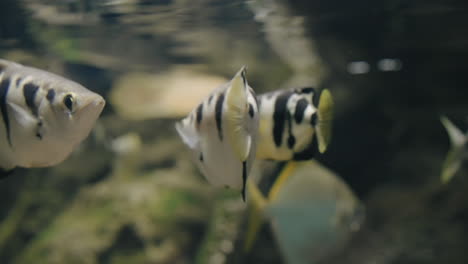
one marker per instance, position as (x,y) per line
(307,90)
(291,141)
(4,86)
(244,178)
(210,98)
(18,81)
(315,99)
(218,115)
(38,132)
(201,157)
(244,80)
(251,111)
(313,119)
(29,93)
(50,95)
(2,67)
(291,138)
(301,106)
(199,114)
(279,116)
(309,152)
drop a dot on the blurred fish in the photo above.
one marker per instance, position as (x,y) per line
(221,132)
(43,116)
(313,213)
(293,123)
(457,153)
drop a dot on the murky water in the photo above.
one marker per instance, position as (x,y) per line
(131,194)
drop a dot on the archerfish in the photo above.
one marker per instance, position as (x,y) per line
(294,123)
(43,116)
(222,133)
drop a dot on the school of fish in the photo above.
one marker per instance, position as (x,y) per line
(45,116)
(233,127)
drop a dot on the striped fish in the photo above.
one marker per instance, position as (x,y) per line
(43,116)
(293,124)
(221,132)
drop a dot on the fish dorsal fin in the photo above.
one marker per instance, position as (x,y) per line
(188,133)
(237,107)
(457,138)
(325,119)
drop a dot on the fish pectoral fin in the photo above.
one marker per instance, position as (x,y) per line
(23,117)
(284,175)
(240,141)
(325,119)
(188,133)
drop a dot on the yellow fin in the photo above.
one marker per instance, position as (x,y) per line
(237,107)
(451,165)
(454,158)
(457,138)
(325,119)
(257,205)
(284,175)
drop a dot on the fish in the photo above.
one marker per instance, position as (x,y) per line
(43,116)
(294,124)
(458,150)
(312,212)
(221,133)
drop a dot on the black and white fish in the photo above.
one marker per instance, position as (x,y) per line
(222,131)
(294,123)
(43,116)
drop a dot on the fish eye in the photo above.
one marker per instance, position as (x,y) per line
(68,101)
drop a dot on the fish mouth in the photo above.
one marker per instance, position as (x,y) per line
(97,103)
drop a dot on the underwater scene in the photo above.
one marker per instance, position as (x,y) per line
(225,132)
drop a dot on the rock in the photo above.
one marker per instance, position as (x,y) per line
(171,94)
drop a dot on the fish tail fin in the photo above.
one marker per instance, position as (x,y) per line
(325,119)
(454,158)
(257,205)
(237,107)
(452,163)
(457,138)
